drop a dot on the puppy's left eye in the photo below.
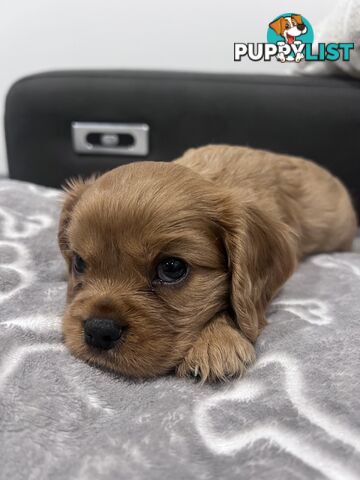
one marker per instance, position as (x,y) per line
(171,270)
(79,264)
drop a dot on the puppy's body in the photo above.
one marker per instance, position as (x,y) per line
(236,221)
(298,192)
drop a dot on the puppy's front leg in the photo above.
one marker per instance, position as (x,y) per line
(220,352)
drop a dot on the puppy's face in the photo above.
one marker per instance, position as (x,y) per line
(147,267)
(154,253)
(289,27)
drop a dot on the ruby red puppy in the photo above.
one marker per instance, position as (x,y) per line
(172,265)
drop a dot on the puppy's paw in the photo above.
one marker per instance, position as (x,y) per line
(219,353)
(281,57)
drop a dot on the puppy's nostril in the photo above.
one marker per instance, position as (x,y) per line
(102,333)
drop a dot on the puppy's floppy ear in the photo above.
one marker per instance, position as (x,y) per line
(262,254)
(73,189)
(297,18)
(277,26)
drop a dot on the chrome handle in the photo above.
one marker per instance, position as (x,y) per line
(110,138)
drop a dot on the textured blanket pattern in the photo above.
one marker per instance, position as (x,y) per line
(295,415)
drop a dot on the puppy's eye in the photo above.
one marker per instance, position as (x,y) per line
(171,270)
(287,25)
(79,264)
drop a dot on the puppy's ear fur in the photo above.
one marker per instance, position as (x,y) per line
(262,254)
(73,189)
(297,18)
(277,26)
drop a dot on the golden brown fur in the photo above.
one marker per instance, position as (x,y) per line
(241,218)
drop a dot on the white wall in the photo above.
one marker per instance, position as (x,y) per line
(38,35)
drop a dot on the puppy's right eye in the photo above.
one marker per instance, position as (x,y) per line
(79,264)
(170,270)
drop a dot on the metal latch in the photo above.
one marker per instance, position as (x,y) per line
(110,138)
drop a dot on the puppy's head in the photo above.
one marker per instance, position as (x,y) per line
(289,27)
(154,252)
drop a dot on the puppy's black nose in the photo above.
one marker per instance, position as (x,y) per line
(101,332)
(301,27)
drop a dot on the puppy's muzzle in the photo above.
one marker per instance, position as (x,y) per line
(102,333)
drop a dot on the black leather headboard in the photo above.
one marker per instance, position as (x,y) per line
(318,118)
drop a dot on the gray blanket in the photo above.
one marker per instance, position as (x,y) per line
(295,415)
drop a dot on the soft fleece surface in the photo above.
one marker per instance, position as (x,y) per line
(340,25)
(296,414)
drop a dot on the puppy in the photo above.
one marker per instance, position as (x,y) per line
(172,265)
(289,27)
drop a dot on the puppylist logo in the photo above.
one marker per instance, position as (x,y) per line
(290,38)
